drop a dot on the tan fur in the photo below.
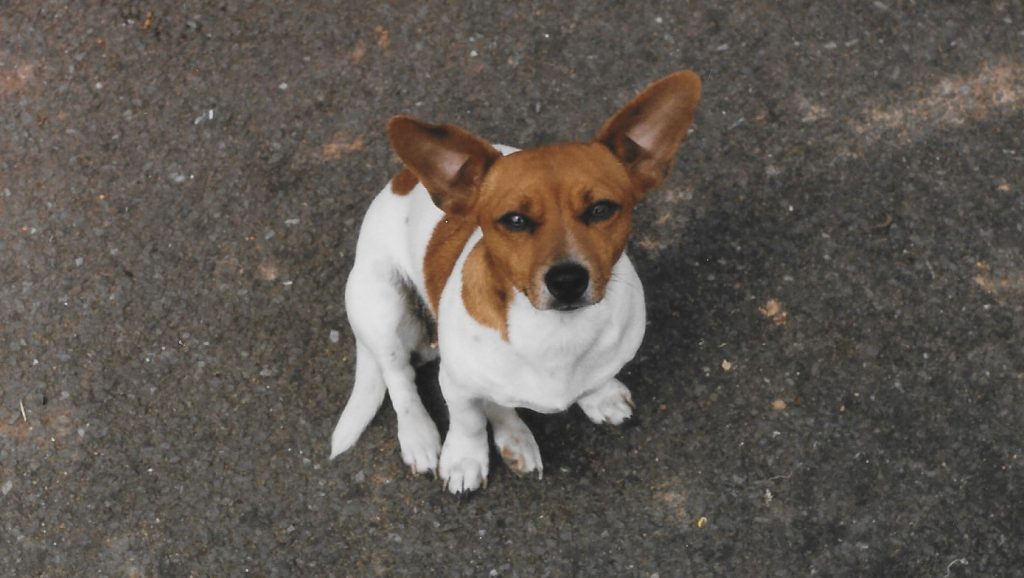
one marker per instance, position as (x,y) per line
(403,182)
(446,244)
(449,161)
(646,133)
(553,186)
(485,295)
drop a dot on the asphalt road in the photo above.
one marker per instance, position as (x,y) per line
(832,381)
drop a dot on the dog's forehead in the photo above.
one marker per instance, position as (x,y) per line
(565,168)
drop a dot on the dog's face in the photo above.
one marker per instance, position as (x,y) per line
(554,219)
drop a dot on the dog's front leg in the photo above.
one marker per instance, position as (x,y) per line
(611,403)
(464,455)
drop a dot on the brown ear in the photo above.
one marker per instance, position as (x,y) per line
(449,161)
(645,133)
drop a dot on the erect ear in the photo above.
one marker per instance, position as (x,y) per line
(449,161)
(645,133)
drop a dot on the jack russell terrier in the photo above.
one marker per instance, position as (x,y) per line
(519,258)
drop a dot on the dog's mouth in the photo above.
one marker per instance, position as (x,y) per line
(546,303)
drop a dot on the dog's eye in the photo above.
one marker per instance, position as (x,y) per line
(599,211)
(517,222)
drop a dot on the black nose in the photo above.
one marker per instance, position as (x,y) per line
(567,281)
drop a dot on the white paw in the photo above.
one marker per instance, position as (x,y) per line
(420,442)
(611,404)
(518,448)
(464,463)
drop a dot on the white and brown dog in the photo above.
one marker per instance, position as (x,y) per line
(519,257)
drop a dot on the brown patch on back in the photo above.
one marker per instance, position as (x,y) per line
(443,250)
(403,182)
(485,296)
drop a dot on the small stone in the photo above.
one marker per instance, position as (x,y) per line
(779,404)
(772,309)
(6,488)
(334,336)
(267,271)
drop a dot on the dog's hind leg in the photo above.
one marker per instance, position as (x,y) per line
(514,440)
(383,321)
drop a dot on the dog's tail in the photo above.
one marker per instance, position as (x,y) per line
(367,397)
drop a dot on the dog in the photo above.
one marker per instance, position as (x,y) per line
(519,258)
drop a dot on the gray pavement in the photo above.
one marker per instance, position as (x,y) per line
(832,380)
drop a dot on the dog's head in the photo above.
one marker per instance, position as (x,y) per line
(555,219)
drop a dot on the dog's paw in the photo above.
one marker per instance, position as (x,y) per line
(420,442)
(611,404)
(522,456)
(518,448)
(464,463)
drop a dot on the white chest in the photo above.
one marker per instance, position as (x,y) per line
(551,358)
